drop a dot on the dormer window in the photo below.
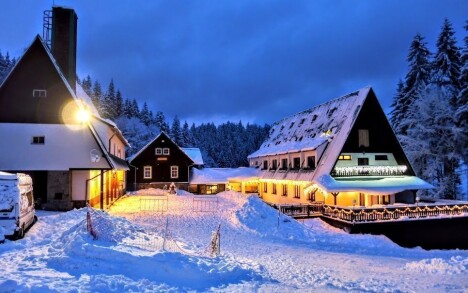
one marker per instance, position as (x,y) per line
(39,93)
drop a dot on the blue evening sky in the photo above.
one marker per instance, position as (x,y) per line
(255,61)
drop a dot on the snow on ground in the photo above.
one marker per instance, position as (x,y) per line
(259,252)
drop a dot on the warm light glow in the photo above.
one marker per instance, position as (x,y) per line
(83,116)
(370,170)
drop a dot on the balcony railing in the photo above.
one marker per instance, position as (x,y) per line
(394,213)
(369,171)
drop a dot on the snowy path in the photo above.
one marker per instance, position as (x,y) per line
(257,255)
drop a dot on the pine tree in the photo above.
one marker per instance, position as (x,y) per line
(118,104)
(415,81)
(187,137)
(127,109)
(446,65)
(161,124)
(87,85)
(107,105)
(176,132)
(397,114)
(135,110)
(461,113)
(96,96)
(145,115)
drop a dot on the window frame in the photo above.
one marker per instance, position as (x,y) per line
(285,190)
(166,151)
(265,187)
(176,169)
(297,191)
(273,188)
(158,151)
(363,138)
(38,140)
(39,93)
(150,169)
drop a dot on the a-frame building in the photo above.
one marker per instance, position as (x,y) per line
(51,129)
(343,152)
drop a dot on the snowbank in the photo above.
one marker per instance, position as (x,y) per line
(454,266)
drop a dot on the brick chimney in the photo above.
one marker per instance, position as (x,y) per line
(63,43)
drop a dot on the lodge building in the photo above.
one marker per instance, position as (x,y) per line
(50,128)
(343,152)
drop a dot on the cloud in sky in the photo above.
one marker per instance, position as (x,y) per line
(254,61)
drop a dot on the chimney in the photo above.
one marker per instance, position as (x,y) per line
(63,43)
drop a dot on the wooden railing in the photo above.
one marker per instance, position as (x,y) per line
(300,210)
(394,213)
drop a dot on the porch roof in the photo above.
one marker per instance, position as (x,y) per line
(372,184)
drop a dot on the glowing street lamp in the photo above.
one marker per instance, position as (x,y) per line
(83,116)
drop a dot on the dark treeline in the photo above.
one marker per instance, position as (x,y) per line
(430,111)
(225,145)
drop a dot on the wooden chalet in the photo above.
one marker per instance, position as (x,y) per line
(161,163)
(51,129)
(343,153)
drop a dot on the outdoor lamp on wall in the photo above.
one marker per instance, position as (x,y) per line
(83,116)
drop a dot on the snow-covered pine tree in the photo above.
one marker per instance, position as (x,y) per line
(396,115)
(87,85)
(118,104)
(96,96)
(160,121)
(135,109)
(127,108)
(6,65)
(461,113)
(187,137)
(145,116)
(176,131)
(415,81)
(446,65)
(107,103)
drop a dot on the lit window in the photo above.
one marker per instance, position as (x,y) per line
(297,191)
(363,137)
(345,157)
(158,151)
(166,151)
(274,188)
(174,171)
(285,190)
(39,93)
(265,186)
(147,172)
(38,140)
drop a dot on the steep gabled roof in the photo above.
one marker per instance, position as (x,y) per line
(194,154)
(130,159)
(81,99)
(309,129)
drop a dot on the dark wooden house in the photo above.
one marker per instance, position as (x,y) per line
(161,163)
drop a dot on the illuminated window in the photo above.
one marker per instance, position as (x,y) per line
(285,190)
(158,151)
(166,151)
(345,157)
(39,93)
(274,188)
(265,186)
(147,172)
(174,171)
(297,191)
(363,137)
(38,140)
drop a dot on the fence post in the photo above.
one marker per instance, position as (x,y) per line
(165,234)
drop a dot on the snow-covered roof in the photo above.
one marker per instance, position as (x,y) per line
(194,154)
(222,175)
(311,128)
(7,176)
(372,185)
